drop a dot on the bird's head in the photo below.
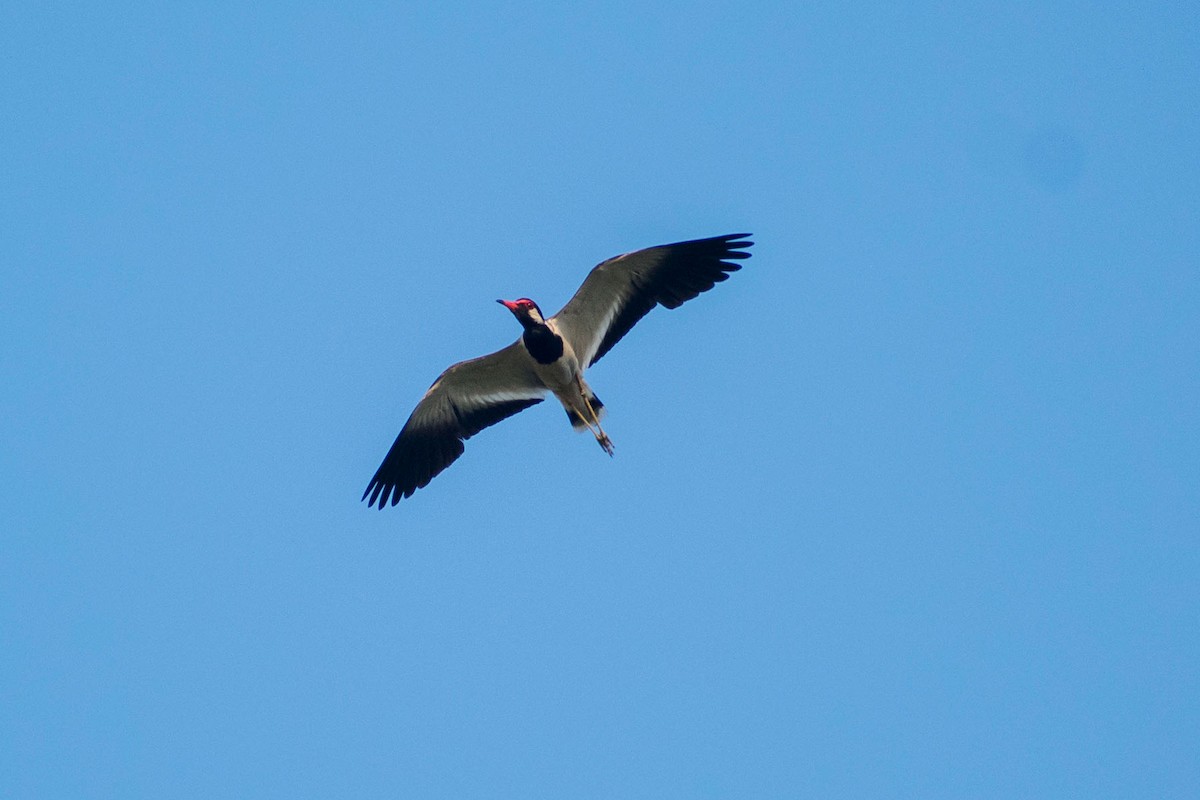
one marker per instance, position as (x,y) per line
(525,310)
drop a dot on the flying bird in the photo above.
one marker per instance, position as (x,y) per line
(550,357)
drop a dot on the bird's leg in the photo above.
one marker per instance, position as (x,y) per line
(604,441)
(601,436)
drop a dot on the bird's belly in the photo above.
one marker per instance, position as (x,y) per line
(559,375)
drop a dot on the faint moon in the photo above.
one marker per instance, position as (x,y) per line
(1054,158)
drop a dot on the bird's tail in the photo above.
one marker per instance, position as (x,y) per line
(578,422)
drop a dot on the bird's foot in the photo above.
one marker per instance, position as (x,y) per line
(605,443)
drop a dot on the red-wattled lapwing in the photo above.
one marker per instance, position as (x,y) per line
(550,356)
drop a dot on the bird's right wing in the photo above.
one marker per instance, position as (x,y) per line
(465,399)
(620,291)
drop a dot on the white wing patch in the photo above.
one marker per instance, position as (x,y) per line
(494,398)
(598,333)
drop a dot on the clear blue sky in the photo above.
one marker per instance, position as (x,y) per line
(906,508)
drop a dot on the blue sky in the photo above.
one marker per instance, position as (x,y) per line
(907,507)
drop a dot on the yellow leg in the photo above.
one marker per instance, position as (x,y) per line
(601,436)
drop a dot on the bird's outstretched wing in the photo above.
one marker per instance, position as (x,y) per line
(465,399)
(622,290)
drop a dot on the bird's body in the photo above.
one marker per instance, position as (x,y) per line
(550,357)
(557,367)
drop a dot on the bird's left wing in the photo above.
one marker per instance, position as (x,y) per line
(465,399)
(620,291)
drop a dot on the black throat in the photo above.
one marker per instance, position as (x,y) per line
(543,344)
